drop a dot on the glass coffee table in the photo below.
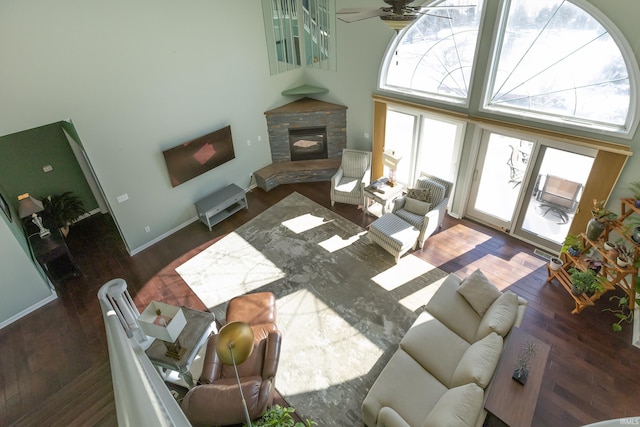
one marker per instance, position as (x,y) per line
(200,325)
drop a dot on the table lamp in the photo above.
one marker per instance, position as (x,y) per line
(391,160)
(164,322)
(30,206)
(234,346)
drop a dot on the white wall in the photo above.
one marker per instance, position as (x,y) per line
(21,285)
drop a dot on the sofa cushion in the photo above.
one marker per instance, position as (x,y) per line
(478,362)
(500,316)
(458,407)
(425,341)
(416,206)
(452,309)
(479,292)
(404,386)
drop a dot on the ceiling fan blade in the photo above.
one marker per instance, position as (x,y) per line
(355,14)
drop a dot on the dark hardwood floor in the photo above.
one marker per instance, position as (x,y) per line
(54,367)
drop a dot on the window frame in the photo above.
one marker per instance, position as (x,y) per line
(428,96)
(625,131)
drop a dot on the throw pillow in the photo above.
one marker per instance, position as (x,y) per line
(458,407)
(479,292)
(478,362)
(416,206)
(500,316)
(422,194)
(436,190)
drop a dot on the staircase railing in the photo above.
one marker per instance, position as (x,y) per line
(141,396)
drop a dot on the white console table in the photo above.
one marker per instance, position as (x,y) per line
(221,204)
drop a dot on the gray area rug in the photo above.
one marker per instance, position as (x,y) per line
(342,303)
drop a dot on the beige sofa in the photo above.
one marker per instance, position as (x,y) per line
(444,363)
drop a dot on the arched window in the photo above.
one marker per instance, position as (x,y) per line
(553,61)
(435,55)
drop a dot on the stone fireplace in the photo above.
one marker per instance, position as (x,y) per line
(321,125)
(306,139)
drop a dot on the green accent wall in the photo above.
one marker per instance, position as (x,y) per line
(23,156)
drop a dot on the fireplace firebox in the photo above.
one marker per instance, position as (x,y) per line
(308,143)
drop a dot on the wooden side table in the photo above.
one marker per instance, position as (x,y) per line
(200,324)
(48,250)
(509,402)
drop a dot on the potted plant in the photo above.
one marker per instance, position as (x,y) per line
(600,215)
(585,281)
(64,209)
(612,249)
(555,263)
(573,244)
(625,255)
(523,362)
(277,416)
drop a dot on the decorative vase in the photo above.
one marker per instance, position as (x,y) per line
(594,229)
(520,377)
(621,262)
(555,263)
(573,251)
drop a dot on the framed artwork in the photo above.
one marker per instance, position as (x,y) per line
(5,207)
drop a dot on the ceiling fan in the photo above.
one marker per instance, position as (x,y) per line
(397,16)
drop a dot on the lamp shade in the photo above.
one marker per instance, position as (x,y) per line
(28,205)
(236,337)
(162,321)
(390,159)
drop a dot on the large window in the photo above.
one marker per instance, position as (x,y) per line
(435,55)
(555,61)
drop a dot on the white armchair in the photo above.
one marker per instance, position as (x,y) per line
(347,185)
(427,210)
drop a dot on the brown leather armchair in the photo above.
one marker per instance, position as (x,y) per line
(215,401)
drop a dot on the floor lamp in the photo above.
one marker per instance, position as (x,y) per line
(234,346)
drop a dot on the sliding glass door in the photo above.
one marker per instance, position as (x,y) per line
(425,143)
(498,179)
(528,188)
(553,195)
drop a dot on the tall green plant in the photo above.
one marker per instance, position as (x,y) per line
(64,208)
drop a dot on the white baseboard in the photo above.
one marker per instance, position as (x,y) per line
(29,310)
(150,243)
(132,252)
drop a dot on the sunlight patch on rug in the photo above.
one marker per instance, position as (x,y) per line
(335,243)
(336,347)
(303,223)
(222,272)
(406,270)
(421,297)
